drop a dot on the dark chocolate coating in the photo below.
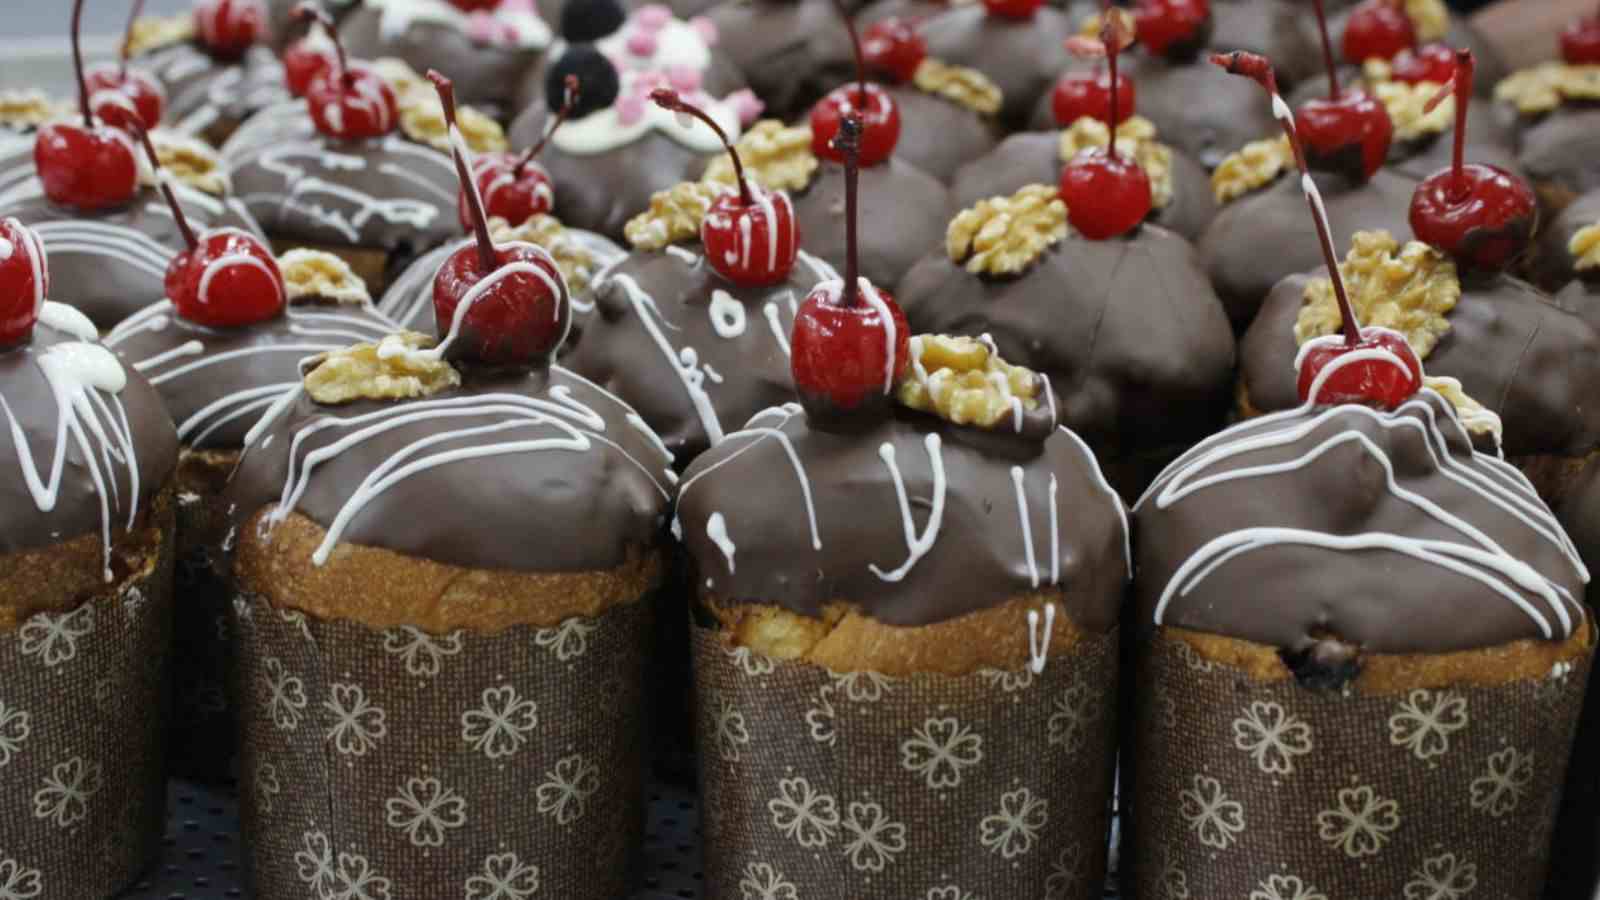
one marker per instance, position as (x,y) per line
(979,558)
(1513,350)
(1134,340)
(109,264)
(205,94)
(790,51)
(1289,596)
(1034,157)
(283,29)
(1262,237)
(1272,29)
(938,136)
(31,405)
(387,193)
(618,352)
(1021,56)
(552,510)
(229,361)
(1553,264)
(484,75)
(1562,149)
(904,212)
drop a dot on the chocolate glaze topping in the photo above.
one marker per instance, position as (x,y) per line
(1513,350)
(388,193)
(280,17)
(1286,530)
(109,264)
(655,306)
(1022,57)
(30,404)
(903,215)
(577,503)
(1553,264)
(208,96)
(1562,150)
(938,136)
(216,382)
(485,75)
(1270,28)
(1263,237)
(1036,516)
(1134,341)
(790,51)
(1035,158)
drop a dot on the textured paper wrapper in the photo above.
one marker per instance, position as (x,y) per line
(819,786)
(392,765)
(82,779)
(1276,792)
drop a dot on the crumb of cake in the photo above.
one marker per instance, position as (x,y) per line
(1136,137)
(574,260)
(189,160)
(1544,87)
(674,215)
(1410,291)
(155,32)
(318,275)
(960,85)
(1585,248)
(965,382)
(1256,165)
(27,109)
(391,369)
(776,156)
(1004,235)
(1431,18)
(1474,416)
(1407,107)
(422,120)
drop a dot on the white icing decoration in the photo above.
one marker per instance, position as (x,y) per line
(1111,494)
(727,315)
(1027,525)
(717,531)
(676,45)
(396,17)
(916,546)
(1039,648)
(62,317)
(690,376)
(775,432)
(603,130)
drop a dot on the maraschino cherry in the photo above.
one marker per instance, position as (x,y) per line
(1087,92)
(1481,215)
(1349,133)
(472,6)
(24,282)
(119,94)
(750,234)
(880,117)
(1434,63)
(227,277)
(894,49)
(1372,366)
(850,341)
(229,28)
(307,59)
(1173,27)
(514,186)
(88,167)
(510,300)
(350,101)
(1377,29)
(1012,9)
(1580,41)
(1107,193)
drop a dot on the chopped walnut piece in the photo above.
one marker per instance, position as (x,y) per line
(574,260)
(1430,18)
(1004,235)
(392,369)
(1090,26)
(775,156)
(1585,248)
(1407,106)
(1136,137)
(189,160)
(960,85)
(1544,87)
(405,81)
(674,215)
(422,120)
(27,109)
(155,32)
(1254,167)
(1409,292)
(317,275)
(964,381)
(1473,415)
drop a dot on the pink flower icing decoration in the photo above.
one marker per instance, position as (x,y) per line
(630,108)
(684,79)
(641,43)
(706,28)
(747,105)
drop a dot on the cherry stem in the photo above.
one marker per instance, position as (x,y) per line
(668,99)
(569,102)
(1111,36)
(77,65)
(166,187)
(311,13)
(855,46)
(480,220)
(848,143)
(1327,51)
(127,35)
(1465,65)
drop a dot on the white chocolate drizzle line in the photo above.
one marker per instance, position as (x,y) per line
(916,546)
(717,531)
(684,364)
(1039,648)
(834,288)
(759,434)
(1111,494)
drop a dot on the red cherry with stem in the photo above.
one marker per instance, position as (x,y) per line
(506,305)
(1580,41)
(1107,193)
(1088,93)
(305,60)
(86,167)
(750,234)
(1012,9)
(24,282)
(1172,26)
(850,341)
(1377,29)
(1434,63)
(229,28)
(1481,215)
(118,94)
(880,117)
(227,278)
(1372,366)
(513,186)
(893,48)
(348,102)
(1349,133)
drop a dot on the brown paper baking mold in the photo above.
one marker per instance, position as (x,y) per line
(388,765)
(82,775)
(1276,792)
(860,786)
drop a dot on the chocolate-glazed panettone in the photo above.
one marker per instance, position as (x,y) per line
(1568,248)
(1554,110)
(209,91)
(1021,56)
(1136,346)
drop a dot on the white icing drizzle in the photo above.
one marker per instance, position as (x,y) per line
(689,257)
(675,44)
(770,310)
(1039,648)
(916,546)
(717,531)
(689,375)
(62,317)
(1027,525)
(727,315)
(1093,465)
(604,130)
(760,433)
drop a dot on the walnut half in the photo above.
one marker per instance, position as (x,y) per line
(1005,235)
(392,369)
(1410,291)
(674,215)
(1585,248)
(964,381)
(1255,166)
(317,275)
(775,156)
(574,260)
